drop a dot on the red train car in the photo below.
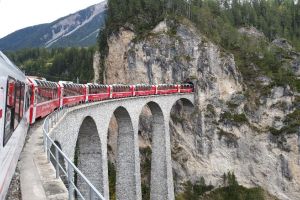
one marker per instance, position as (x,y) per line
(186,88)
(121,91)
(44,98)
(167,89)
(72,94)
(145,90)
(97,92)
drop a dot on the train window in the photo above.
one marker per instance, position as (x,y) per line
(10,110)
(17,103)
(22,95)
(27,101)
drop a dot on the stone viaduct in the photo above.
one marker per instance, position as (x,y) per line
(86,128)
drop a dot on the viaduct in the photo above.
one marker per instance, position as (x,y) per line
(86,128)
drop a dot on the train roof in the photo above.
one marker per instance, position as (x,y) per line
(8,68)
(95,85)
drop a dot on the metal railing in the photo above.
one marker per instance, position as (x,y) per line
(73,190)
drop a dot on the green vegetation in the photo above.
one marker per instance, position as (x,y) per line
(112,180)
(211,110)
(231,190)
(291,124)
(56,64)
(235,193)
(194,191)
(229,138)
(145,154)
(234,118)
(220,24)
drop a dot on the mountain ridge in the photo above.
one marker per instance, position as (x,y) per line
(79,29)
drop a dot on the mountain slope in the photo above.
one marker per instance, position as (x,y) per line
(77,29)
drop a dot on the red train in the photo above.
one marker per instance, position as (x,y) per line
(46,96)
(24,99)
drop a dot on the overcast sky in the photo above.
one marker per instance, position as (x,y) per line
(17,14)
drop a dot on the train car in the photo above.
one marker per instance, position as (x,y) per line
(167,89)
(14,109)
(185,88)
(144,90)
(96,92)
(72,94)
(121,91)
(45,98)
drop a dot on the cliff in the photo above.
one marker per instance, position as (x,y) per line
(232,127)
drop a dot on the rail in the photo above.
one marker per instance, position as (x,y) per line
(73,190)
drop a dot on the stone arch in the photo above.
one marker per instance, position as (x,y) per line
(88,148)
(126,162)
(180,109)
(180,114)
(159,179)
(184,104)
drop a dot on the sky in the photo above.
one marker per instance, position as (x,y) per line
(18,14)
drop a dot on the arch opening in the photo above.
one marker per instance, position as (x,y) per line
(181,134)
(152,147)
(121,156)
(88,157)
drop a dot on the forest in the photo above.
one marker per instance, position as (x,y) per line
(56,64)
(275,18)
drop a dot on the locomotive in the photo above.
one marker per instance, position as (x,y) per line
(25,99)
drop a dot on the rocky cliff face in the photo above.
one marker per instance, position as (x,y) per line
(227,131)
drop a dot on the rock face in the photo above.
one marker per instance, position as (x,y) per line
(282,43)
(223,133)
(96,66)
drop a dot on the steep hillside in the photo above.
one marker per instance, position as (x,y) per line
(77,29)
(246,118)
(227,131)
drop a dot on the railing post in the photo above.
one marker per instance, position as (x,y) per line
(57,162)
(92,196)
(70,177)
(48,151)
(47,125)
(44,139)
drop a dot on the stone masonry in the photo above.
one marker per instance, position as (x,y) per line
(87,127)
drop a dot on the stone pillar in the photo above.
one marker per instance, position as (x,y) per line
(161,169)
(88,155)
(127,187)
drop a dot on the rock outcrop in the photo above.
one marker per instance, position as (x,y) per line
(225,132)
